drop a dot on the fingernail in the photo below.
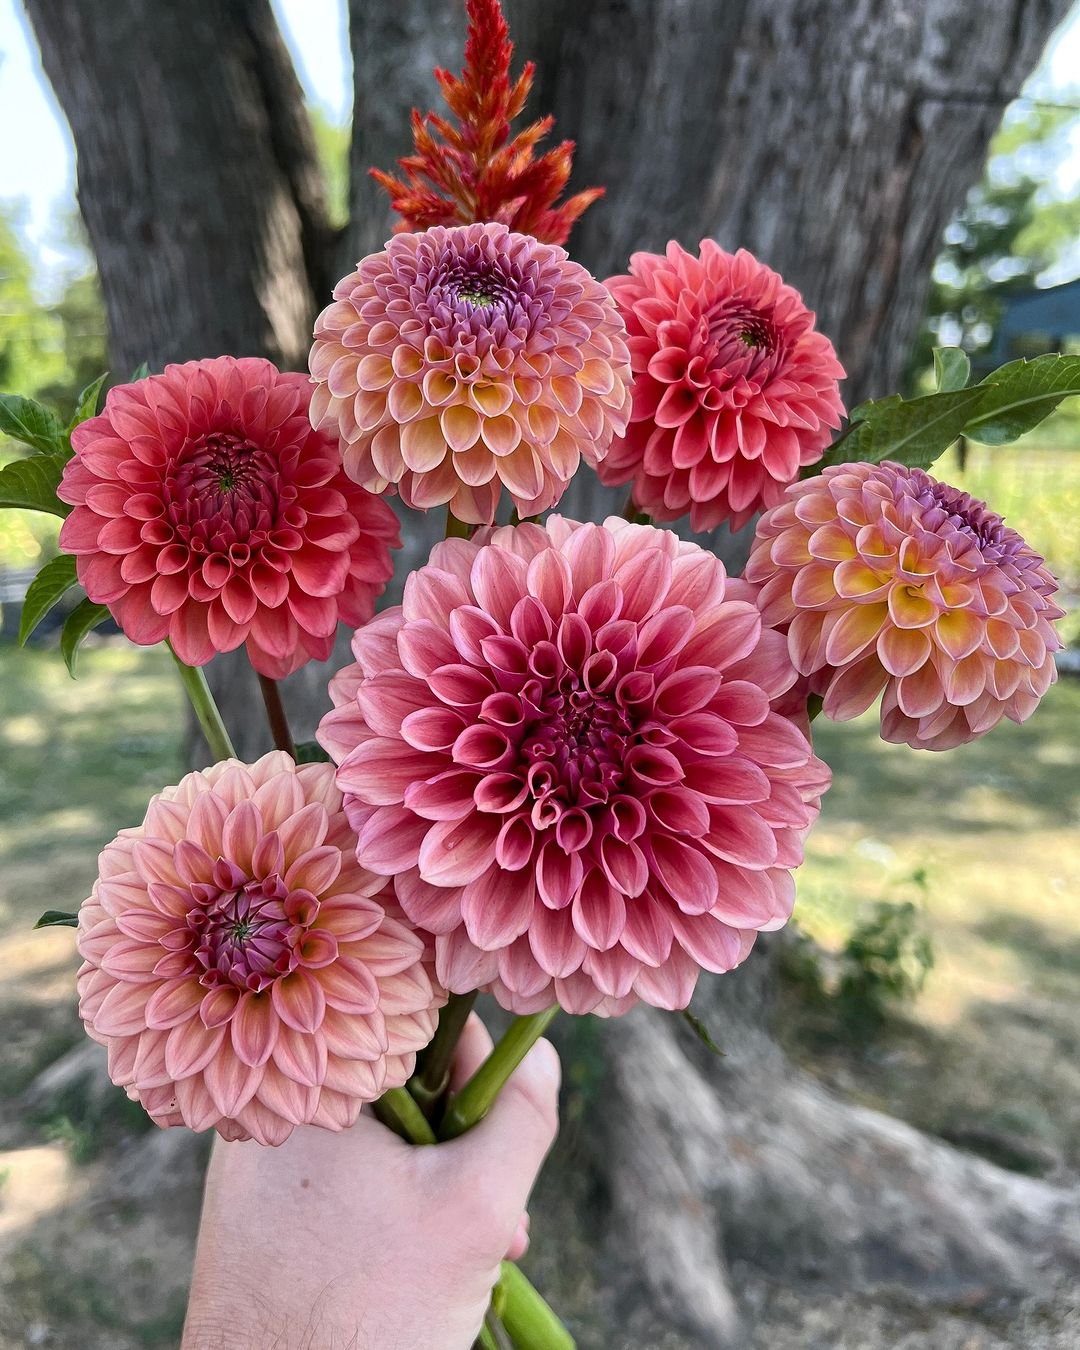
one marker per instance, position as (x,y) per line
(545,1060)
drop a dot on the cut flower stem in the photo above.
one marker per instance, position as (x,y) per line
(275,715)
(428,1086)
(206,710)
(469,1106)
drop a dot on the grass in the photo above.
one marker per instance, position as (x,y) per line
(989,1052)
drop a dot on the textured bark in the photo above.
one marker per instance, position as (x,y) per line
(833,139)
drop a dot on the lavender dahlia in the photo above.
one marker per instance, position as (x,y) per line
(243,970)
(887,579)
(461,361)
(563,748)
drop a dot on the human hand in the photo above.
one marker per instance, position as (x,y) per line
(360,1241)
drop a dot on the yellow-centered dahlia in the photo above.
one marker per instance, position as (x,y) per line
(461,361)
(887,580)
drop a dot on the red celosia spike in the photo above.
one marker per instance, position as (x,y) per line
(470,169)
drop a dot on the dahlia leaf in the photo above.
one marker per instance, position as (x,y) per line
(31,483)
(54,580)
(1021,394)
(31,423)
(139,373)
(702,1032)
(952,369)
(87,404)
(83,619)
(914,432)
(57,918)
(311,752)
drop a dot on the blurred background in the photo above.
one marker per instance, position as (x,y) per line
(889,1151)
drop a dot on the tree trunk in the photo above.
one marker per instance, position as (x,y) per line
(833,140)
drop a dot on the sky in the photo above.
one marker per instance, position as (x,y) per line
(37,165)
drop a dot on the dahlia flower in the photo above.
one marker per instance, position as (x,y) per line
(243,970)
(734,391)
(463,360)
(207,511)
(562,747)
(886,579)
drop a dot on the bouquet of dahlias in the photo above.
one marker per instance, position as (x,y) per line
(573,769)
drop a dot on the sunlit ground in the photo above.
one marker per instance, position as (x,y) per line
(993,827)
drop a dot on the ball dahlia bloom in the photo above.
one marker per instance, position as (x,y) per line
(244,971)
(886,579)
(461,361)
(734,390)
(563,748)
(207,511)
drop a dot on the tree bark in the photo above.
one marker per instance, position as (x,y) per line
(832,139)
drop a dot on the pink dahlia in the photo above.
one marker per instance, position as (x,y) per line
(243,969)
(207,511)
(463,360)
(886,579)
(734,391)
(562,747)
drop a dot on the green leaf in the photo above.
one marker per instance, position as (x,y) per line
(32,423)
(32,482)
(702,1032)
(952,368)
(87,405)
(57,918)
(140,373)
(83,619)
(311,752)
(54,579)
(1021,394)
(908,431)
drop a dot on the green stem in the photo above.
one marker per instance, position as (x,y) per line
(468,1107)
(397,1110)
(428,1086)
(275,715)
(456,529)
(813,705)
(206,710)
(527,1316)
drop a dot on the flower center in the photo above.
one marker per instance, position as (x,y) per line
(742,340)
(575,746)
(222,489)
(971,517)
(246,936)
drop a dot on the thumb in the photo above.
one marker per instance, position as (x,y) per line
(510,1144)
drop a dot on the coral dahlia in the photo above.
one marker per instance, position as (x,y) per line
(734,390)
(886,579)
(244,971)
(207,511)
(563,748)
(461,361)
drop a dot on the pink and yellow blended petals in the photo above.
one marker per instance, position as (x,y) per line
(465,360)
(244,971)
(913,589)
(208,512)
(734,390)
(565,748)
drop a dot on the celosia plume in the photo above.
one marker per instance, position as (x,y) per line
(244,971)
(459,362)
(734,390)
(886,579)
(563,748)
(209,512)
(472,171)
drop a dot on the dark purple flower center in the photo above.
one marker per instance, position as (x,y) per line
(222,490)
(575,746)
(973,518)
(483,294)
(245,937)
(742,341)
